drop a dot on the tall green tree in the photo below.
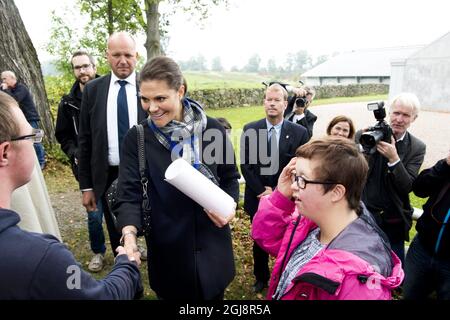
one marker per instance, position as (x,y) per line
(107,16)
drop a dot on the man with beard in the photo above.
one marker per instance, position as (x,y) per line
(66,132)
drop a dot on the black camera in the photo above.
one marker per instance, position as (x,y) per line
(301,102)
(381,131)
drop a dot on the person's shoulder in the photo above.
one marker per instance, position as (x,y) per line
(98,81)
(416,142)
(295,127)
(255,124)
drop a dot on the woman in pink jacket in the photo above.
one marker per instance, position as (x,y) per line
(327,244)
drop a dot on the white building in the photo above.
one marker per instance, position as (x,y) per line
(425,73)
(358,67)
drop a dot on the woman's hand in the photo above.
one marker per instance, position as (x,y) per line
(218,220)
(285,179)
(129,240)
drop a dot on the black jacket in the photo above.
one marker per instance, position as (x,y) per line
(38,267)
(307,122)
(67,124)
(291,137)
(23,97)
(93,135)
(435,184)
(189,258)
(386,193)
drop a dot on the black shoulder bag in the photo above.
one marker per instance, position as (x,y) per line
(111,193)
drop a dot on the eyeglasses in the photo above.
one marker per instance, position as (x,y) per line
(83,66)
(36,136)
(302,182)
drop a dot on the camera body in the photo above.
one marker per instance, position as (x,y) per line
(381,131)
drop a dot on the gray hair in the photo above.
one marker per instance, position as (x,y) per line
(10,74)
(407,99)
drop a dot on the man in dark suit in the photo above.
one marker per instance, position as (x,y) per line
(110,106)
(392,170)
(267,146)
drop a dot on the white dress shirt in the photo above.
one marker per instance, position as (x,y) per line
(113,135)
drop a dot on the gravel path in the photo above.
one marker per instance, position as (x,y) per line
(433,128)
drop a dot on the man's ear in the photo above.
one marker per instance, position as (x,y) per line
(338,193)
(5,150)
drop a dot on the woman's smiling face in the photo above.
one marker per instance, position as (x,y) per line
(161,102)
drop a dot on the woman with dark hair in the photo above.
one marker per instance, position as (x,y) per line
(341,126)
(190,255)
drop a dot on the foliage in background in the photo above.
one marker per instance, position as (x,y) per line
(97,19)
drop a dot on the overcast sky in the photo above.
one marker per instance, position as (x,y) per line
(273,28)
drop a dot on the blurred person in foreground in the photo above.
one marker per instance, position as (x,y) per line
(38,266)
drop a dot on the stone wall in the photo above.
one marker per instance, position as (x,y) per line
(227,98)
(351,90)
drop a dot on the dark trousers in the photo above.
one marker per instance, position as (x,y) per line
(260,262)
(424,273)
(114,235)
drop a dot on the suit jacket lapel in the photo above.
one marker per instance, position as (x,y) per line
(102,94)
(285,136)
(403,146)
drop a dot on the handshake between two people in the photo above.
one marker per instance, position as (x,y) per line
(129,235)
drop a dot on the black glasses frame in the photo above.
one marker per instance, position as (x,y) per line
(36,136)
(304,182)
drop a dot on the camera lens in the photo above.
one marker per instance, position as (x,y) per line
(371,138)
(300,102)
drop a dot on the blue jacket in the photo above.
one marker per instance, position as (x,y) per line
(38,266)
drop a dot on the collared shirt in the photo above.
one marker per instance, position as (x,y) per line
(113,134)
(298,117)
(277,129)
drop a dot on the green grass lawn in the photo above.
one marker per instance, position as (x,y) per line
(218,80)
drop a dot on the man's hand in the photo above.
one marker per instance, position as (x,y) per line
(136,256)
(4,86)
(89,201)
(218,220)
(285,179)
(265,193)
(388,150)
(299,92)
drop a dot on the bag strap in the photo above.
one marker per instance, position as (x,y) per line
(141,156)
(145,205)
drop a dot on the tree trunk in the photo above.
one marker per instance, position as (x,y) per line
(152,44)
(110,18)
(17,54)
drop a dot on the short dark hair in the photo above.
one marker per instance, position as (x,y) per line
(338,119)
(163,69)
(8,124)
(340,162)
(79,53)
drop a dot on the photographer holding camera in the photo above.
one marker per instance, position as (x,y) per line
(394,157)
(297,108)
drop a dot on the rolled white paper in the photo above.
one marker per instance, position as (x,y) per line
(199,188)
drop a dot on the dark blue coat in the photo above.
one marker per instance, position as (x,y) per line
(189,258)
(39,267)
